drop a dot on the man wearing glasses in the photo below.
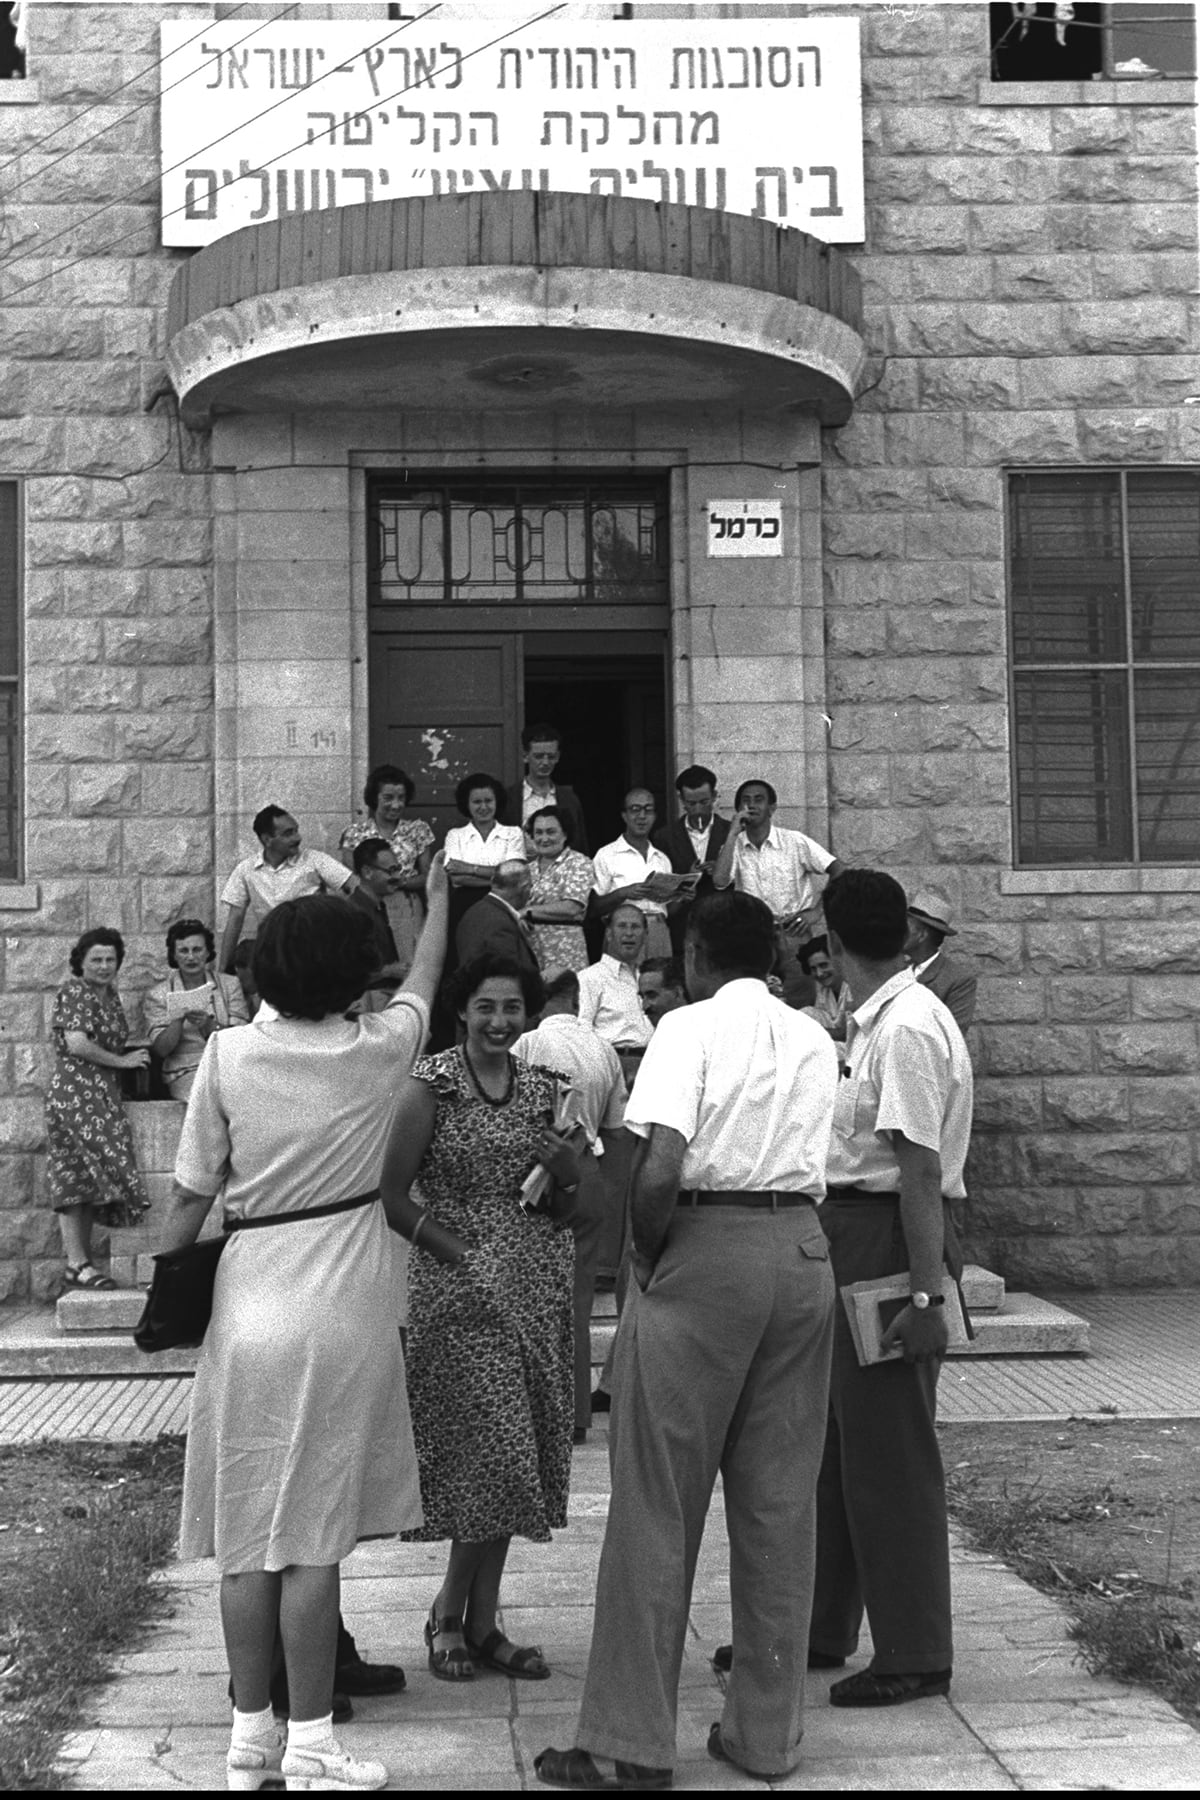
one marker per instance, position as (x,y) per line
(631,868)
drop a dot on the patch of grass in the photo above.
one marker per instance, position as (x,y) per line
(1092,1548)
(86,1527)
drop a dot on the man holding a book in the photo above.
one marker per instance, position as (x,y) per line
(901,1128)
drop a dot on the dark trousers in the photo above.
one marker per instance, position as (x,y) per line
(882,1537)
(587,1228)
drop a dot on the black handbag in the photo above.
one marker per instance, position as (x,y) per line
(179,1305)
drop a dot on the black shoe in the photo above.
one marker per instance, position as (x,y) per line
(369,1679)
(601,1400)
(869,1689)
(722,1659)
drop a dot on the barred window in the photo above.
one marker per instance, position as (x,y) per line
(1104,581)
(10,694)
(1037,40)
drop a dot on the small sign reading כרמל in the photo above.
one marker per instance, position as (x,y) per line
(745,528)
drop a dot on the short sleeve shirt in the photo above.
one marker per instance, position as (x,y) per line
(610,1003)
(907,1070)
(780,870)
(502,844)
(566,1043)
(749,1083)
(620,865)
(259,888)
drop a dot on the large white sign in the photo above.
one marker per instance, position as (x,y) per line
(755,116)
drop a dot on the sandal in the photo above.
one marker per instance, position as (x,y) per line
(453,1663)
(521,1664)
(868,1688)
(86,1275)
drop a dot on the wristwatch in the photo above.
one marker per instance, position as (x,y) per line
(921,1300)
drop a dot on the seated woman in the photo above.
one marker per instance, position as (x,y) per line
(562,883)
(299,1441)
(183,1011)
(490,1345)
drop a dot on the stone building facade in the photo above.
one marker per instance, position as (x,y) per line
(197,632)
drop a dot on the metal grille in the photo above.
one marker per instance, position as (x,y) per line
(459,543)
(1104,579)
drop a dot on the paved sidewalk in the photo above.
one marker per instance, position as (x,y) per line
(1022,1714)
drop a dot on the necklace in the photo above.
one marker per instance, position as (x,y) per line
(490,1099)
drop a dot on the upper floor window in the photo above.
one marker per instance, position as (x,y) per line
(14,16)
(10,695)
(1039,40)
(1104,585)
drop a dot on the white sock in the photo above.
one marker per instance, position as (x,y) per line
(254,1727)
(310,1734)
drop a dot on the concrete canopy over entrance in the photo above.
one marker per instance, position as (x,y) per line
(515,299)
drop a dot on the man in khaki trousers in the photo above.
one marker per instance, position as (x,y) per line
(722,1366)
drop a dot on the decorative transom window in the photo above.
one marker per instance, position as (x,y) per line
(1104,584)
(1047,40)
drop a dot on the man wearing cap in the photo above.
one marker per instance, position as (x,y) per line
(928,926)
(721,1363)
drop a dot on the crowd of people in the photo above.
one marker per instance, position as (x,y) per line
(456,1116)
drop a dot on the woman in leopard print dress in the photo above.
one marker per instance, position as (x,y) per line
(490,1347)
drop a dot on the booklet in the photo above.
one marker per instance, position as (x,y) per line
(665,887)
(872,1305)
(181,1001)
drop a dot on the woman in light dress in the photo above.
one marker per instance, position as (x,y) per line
(562,882)
(178,1038)
(387,795)
(299,1439)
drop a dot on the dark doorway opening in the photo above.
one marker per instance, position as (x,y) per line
(612,712)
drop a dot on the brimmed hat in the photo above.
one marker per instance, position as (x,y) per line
(933,909)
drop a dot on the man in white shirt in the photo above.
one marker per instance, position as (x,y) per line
(901,1129)
(626,868)
(282,870)
(722,1366)
(608,989)
(771,861)
(564,1042)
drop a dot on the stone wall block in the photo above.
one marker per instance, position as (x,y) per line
(927,278)
(180,788)
(1080,226)
(87,542)
(22,1124)
(1111,1211)
(1169,949)
(1057,381)
(863,633)
(104,593)
(1166,997)
(952,726)
(867,490)
(1124,436)
(16,1181)
(1173,1212)
(1140,1262)
(1140,327)
(939,631)
(77,388)
(1165,1104)
(62,641)
(1169,178)
(184,687)
(1059,946)
(115,902)
(918,32)
(165,737)
(1042,437)
(918,230)
(883,838)
(1091,1160)
(1019,276)
(861,535)
(45,791)
(861,781)
(930,780)
(1160,226)
(1091,131)
(63,908)
(998,131)
(1016,1050)
(33,1066)
(1097,997)
(167,542)
(67,739)
(1086,1103)
(20,1021)
(105,788)
(1147,1049)
(1126,278)
(166,847)
(180,591)
(952,534)
(73,846)
(104,446)
(1006,1106)
(47,331)
(1008,999)
(970,383)
(43,592)
(150,640)
(942,435)
(101,689)
(971,834)
(1015,1209)
(163,900)
(14,1280)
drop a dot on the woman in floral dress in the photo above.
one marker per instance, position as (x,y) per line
(490,1343)
(92,1173)
(562,881)
(389,791)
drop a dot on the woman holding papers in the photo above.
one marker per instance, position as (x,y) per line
(183,1011)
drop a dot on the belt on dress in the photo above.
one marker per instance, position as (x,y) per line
(232,1223)
(742,1197)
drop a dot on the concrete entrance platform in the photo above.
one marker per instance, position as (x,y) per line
(1022,1715)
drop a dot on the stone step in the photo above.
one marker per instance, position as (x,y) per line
(982,1291)
(1024,1326)
(99,1309)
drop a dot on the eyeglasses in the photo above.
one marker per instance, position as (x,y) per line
(639,809)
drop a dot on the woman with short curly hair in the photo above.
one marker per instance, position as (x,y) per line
(177,1038)
(92,1173)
